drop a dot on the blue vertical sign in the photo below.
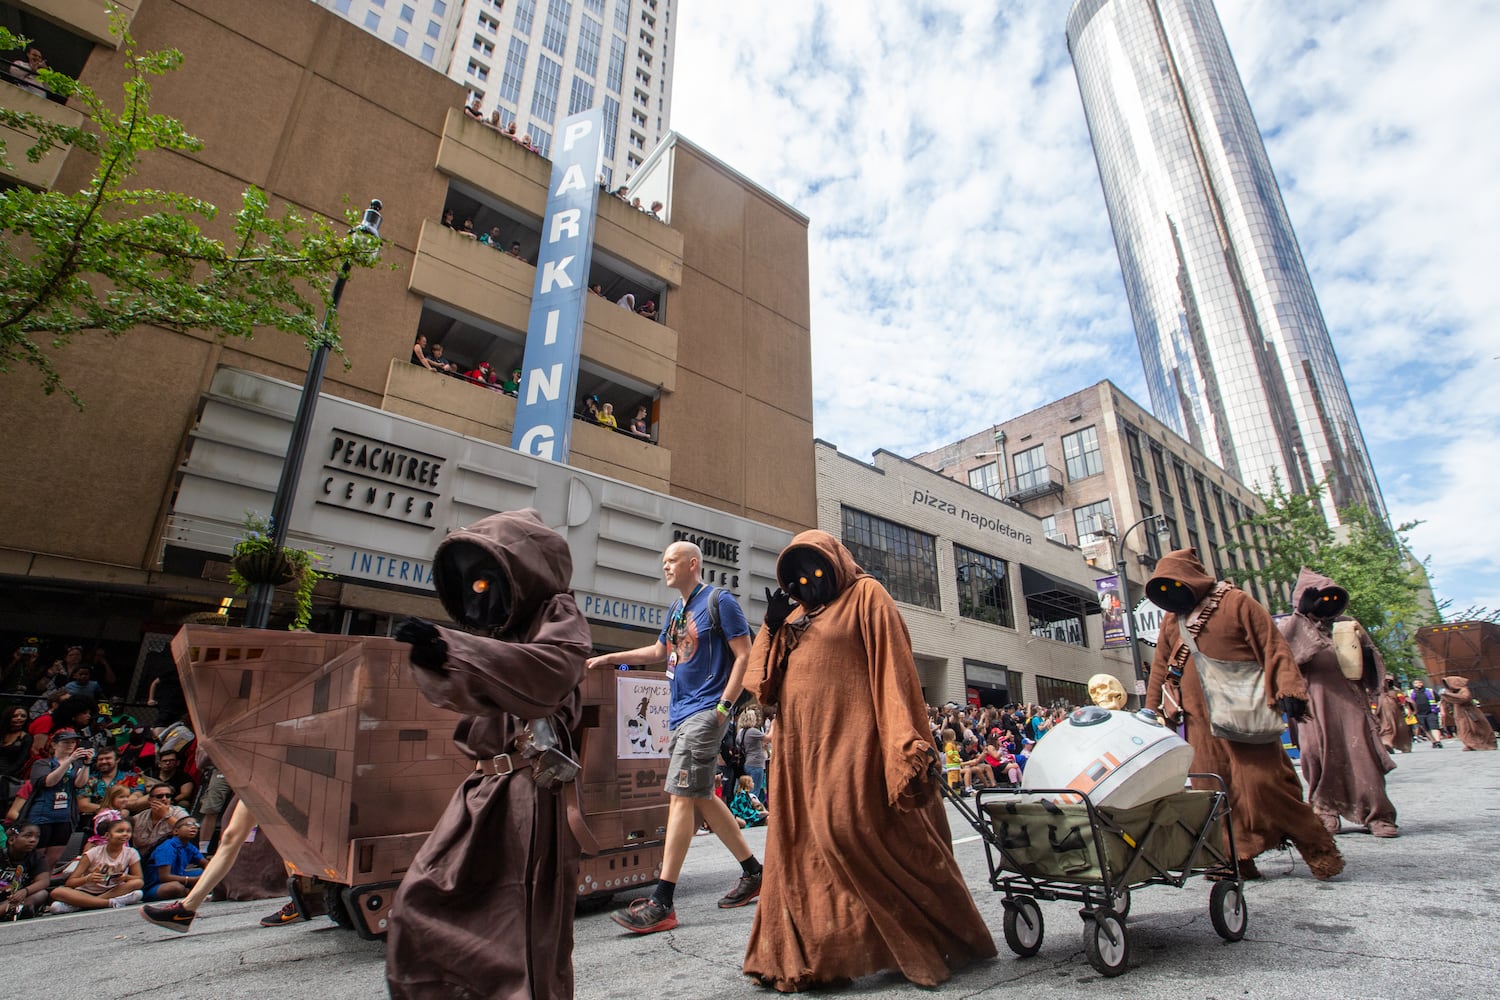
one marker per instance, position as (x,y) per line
(554,331)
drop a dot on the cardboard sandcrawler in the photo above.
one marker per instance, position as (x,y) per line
(347,767)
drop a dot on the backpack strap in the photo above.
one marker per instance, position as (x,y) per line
(713,614)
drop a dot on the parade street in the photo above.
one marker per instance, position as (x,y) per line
(1409,918)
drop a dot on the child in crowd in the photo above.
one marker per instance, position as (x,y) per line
(747,809)
(108,875)
(953,761)
(23,873)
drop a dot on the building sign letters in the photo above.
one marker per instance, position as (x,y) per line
(721,557)
(370,476)
(921,498)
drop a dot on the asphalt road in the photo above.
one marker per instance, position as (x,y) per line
(1409,919)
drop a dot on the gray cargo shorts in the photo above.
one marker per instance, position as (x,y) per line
(694,752)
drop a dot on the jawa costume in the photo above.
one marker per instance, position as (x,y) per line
(1395,731)
(859,868)
(1264,791)
(1474,730)
(486,909)
(1342,757)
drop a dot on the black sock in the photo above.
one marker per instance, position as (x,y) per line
(663,892)
(750,866)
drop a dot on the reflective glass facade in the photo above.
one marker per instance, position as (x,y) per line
(1237,356)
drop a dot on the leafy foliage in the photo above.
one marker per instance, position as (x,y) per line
(1288,535)
(107,258)
(258,539)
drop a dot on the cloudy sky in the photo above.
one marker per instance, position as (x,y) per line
(962,265)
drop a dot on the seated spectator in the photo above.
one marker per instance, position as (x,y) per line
(169,771)
(656,210)
(419,355)
(627,301)
(590,410)
(24,875)
(597,290)
(154,824)
(747,809)
(448,222)
(976,771)
(473,110)
(491,238)
(108,875)
(53,801)
(139,751)
(102,671)
(117,799)
(468,230)
(83,685)
(494,120)
(106,774)
(15,751)
(176,863)
(648,310)
(23,72)
(640,424)
(484,375)
(1001,762)
(438,363)
(512,385)
(606,416)
(515,250)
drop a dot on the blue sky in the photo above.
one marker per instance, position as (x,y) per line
(962,265)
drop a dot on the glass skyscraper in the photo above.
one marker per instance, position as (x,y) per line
(1237,356)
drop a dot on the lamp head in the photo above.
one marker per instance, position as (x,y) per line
(371,222)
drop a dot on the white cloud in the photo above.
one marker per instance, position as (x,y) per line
(962,265)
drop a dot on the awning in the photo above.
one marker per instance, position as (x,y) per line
(1061,598)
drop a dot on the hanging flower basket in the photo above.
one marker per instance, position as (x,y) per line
(264,566)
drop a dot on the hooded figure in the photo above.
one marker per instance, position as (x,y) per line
(1474,730)
(1342,757)
(1264,792)
(859,868)
(486,909)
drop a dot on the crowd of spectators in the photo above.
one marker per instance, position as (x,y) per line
(987,747)
(623,193)
(593,411)
(475,111)
(97,809)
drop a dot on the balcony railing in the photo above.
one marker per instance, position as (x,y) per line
(1036,484)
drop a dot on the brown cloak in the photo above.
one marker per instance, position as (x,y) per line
(859,868)
(1395,734)
(486,909)
(1473,728)
(1264,791)
(1342,756)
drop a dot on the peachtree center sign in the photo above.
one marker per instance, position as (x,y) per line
(554,330)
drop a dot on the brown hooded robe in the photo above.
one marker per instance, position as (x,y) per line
(1342,757)
(1474,730)
(1264,791)
(859,868)
(486,909)
(1395,734)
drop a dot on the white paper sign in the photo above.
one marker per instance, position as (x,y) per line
(644,707)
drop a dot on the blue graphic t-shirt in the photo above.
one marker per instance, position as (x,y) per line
(703,661)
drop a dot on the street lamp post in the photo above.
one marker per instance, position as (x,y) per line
(1164,537)
(258,608)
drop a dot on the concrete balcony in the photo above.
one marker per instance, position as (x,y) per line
(478,412)
(471,277)
(487,160)
(43,173)
(89,18)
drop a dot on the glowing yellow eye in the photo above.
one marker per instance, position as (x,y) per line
(1176,583)
(480,586)
(802,580)
(818,573)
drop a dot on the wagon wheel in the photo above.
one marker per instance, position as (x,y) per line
(1023,926)
(1105,941)
(333,899)
(1227,910)
(1120,902)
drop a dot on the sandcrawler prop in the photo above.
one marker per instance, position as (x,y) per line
(1044,844)
(347,767)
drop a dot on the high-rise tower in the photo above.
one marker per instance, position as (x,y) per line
(538,61)
(1237,356)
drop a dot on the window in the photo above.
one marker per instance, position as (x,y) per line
(372,20)
(1172,531)
(525,11)
(983,590)
(986,478)
(555,28)
(1049,529)
(582,97)
(439,7)
(1159,463)
(408,13)
(1137,461)
(544,97)
(428,53)
(434,29)
(1031,468)
(478,70)
(622,16)
(595,7)
(515,66)
(1081,454)
(903,560)
(488,23)
(1053,693)
(481,46)
(1092,519)
(615,76)
(341,6)
(542,140)
(611,126)
(586,59)
(399,37)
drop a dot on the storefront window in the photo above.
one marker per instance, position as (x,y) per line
(903,560)
(1054,693)
(983,590)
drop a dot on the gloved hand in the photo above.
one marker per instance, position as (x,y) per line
(778,608)
(1294,708)
(428,650)
(935,765)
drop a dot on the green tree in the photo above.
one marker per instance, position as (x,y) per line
(1385,584)
(106,259)
(1288,535)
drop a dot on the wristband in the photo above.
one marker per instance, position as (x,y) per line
(724,707)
